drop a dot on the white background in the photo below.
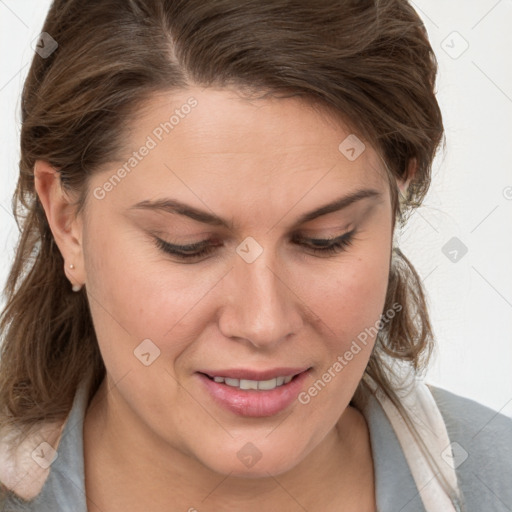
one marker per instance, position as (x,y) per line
(471,195)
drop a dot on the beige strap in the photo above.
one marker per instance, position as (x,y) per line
(25,467)
(423,412)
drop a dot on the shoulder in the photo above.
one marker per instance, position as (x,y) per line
(25,461)
(480,450)
(45,470)
(473,422)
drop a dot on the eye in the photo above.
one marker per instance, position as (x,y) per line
(318,246)
(190,251)
(327,246)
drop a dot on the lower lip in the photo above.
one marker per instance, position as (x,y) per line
(255,403)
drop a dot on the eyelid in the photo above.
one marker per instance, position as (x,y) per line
(327,239)
(214,242)
(189,247)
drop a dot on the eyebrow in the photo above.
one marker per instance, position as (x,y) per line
(176,207)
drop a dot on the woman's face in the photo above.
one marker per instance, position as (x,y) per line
(255,294)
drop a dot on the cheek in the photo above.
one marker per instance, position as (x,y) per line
(350,306)
(136,294)
(352,296)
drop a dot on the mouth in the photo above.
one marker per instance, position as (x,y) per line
(254,393)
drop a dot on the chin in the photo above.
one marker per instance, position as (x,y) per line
(248,461)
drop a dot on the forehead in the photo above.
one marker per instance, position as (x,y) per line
(225,122)
(216,144)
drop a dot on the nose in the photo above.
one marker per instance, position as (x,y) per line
(259,306)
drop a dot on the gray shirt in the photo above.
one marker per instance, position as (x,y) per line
(483,462)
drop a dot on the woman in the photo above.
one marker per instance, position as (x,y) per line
(206,310)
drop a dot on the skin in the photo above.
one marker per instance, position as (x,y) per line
(153,438)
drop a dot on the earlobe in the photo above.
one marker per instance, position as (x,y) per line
(60,212)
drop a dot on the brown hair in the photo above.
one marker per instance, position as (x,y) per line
(368,61)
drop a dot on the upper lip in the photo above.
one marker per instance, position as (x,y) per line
(248,374)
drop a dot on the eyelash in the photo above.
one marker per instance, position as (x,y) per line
(328,246)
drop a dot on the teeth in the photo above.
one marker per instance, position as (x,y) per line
(267,384)
(246,384)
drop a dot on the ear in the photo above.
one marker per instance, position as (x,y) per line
(403,184)
(66,227)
